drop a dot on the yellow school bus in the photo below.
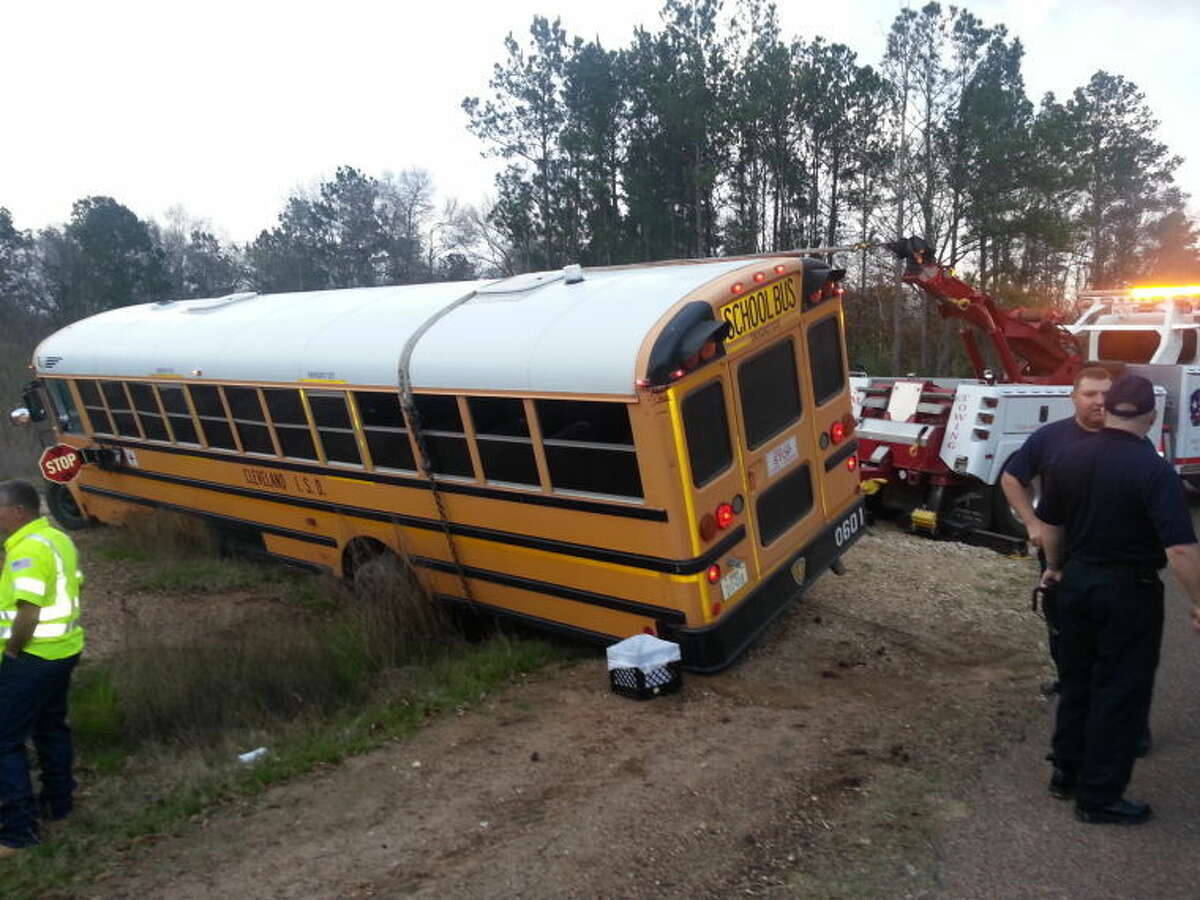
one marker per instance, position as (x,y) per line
(661,448)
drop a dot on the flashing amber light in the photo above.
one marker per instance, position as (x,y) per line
(852,463)
(836,432)
(738,287)
(780,269)
(760,277)
(713,574)
(708,527)
(1164,292)
(724,515)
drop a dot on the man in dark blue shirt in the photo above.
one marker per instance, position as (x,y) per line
(1034,458)
(1116,512)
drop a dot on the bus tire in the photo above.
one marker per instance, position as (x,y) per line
(370,566)
(65,510)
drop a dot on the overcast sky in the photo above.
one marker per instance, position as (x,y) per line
(225,107)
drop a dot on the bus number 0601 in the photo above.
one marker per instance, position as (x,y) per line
(847,529)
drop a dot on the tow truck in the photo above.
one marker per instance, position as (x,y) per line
(931,450)
(1155,331)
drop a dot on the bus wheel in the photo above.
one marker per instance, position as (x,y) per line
(373,568)
(64,508)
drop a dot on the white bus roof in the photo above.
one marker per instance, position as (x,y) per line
(556,338)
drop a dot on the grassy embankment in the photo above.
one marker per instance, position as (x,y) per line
(315,672)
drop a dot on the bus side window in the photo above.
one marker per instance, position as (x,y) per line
(148,413)
(442,430)
(589,447)
(825,359)
(291,423)
(247,412)
(179,417)
(383,425)
(502,435)
(706,427)
(122,412)
(334,427)
(65,412)
(93,405)
(211,413)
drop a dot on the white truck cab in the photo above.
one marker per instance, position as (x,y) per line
(1156,331)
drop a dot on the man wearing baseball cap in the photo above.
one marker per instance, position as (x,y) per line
(1116,512)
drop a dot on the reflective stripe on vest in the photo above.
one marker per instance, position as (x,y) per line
(30,585)
(64,607)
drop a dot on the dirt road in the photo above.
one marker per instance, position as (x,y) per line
(825,764)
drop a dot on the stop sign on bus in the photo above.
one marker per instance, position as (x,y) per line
(60,463)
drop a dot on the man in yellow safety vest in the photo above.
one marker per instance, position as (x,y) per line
(41,640)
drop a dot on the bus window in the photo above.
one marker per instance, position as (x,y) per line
(93,403)
(291,423)
(148,413)
(770,393)
(383,425)
(442,430)
(783,504)
(179,417)
(245,407)
(211,412)
(589,447)
(707,429)
(122,412)
(825,356)
(332,419)
(65,412)
(502,435)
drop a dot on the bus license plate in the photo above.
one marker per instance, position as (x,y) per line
(735,579)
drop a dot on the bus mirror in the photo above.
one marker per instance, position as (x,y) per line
(32,402)
(20,417)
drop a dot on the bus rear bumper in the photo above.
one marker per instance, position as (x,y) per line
(714,647)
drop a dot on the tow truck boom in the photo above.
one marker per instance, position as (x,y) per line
(1033,346)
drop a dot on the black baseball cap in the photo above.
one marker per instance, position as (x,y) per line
(1129,396)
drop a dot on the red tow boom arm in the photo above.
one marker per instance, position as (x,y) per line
(1033,347)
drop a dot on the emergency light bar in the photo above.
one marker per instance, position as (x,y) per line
(1160,292)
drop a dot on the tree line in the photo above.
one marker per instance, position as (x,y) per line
(716,134)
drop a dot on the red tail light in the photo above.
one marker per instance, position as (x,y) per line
(708,527)
(738,288)
(713,574)
(780,269)
(724,515)
(760,277)
(837,432)
(716,609)
(852,463)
